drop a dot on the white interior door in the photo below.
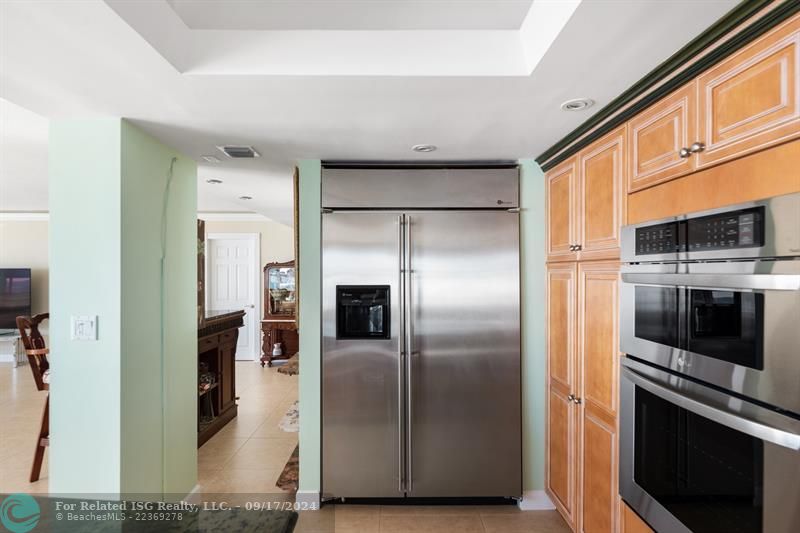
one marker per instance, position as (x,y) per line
(233,283)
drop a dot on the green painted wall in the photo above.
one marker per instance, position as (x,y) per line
(310,328)
(532,223)
(532,258)
(123,420)
(159,397)
(85,265)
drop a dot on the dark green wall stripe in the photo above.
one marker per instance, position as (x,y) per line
(548,159)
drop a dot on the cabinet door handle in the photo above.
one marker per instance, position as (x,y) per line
(571,397)
(684,153)
(697,147)
(571,247)
(578,247)
(576,400)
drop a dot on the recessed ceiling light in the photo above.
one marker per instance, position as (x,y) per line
(245,198)
(424,148)
(213,181)
(211,159)
(577,104)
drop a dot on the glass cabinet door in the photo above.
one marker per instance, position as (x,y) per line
(281,301)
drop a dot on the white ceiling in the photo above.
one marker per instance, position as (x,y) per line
(352,14)
(82,58)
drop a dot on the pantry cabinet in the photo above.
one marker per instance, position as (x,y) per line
(583,356)
(562,421)
(586,202)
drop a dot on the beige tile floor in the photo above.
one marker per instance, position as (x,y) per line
(246,457)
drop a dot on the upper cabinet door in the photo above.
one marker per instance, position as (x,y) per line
(750,101)
(561,238)
(602,196)
(657,137)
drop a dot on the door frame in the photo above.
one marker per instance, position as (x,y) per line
(255,237)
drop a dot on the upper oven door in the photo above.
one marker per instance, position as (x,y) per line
(693,459)
(732,324)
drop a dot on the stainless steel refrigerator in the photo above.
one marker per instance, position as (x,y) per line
(420,332)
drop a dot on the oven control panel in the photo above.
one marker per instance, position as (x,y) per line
(743,228)
(660,239)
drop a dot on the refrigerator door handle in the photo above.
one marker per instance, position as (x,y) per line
(409,338)
(401,356)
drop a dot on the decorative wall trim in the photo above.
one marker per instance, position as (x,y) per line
(232,217)
(535,500)
(24,216)
(673,73)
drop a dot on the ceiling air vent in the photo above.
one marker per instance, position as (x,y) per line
(239,152)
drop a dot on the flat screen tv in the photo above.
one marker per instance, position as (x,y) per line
(15,295)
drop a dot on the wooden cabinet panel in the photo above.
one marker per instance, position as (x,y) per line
(561,459)
(599,475)
(598,335)
(601,171)
(561,325)
(760,175)
(561,183)
(750,101)
(630,521)
(561,478)
(656,136)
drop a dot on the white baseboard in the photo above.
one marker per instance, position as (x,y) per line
(308,497)
(535,500)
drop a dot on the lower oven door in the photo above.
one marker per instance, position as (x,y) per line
(693,459)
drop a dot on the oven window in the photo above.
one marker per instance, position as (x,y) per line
(657,314)
(709,476)
(362,312)
(727,325)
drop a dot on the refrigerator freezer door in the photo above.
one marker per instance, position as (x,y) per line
(361,450)
(464,374)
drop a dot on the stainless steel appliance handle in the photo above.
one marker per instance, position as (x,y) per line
(409,333)
(731,420)
(774,282)
(401,355)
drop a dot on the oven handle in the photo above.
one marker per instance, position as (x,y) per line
(755,429)
(774,282)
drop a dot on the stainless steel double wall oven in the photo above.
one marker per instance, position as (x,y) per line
(710,386)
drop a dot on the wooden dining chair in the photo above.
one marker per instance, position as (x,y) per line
(36,350)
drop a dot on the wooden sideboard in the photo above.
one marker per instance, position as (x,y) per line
(282,331)
(216,352)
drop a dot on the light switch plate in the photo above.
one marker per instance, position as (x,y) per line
(83,328)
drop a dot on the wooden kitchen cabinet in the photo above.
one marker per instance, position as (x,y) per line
(749,101)
(562,467)
(597,361)
(601,183)
(744,104)
(561,184)
(583,357)
(630,521)
(659,139)
(586,202)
